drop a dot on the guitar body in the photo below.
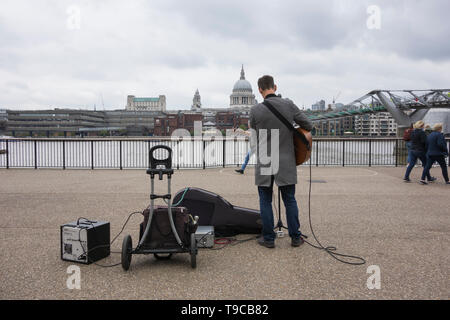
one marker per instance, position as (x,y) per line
(301,140)
(302,154)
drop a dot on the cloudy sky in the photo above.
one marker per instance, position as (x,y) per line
(77,53)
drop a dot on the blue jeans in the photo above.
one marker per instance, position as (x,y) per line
(430,161)
(247,158)
(414,156)
(408,147)
(265,203)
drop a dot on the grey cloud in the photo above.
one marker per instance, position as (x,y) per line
(413,28)
(172,47)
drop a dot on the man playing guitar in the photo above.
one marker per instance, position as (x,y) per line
(263,120)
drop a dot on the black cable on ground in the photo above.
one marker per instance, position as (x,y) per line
(331,250)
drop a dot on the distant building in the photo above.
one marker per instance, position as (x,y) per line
(334,127)
(318,106)
(146,104)
(231,120)
(209,118)
(167,123)
(242,95)
(377,124)
(225,120)
(3,119)
(188,119)
(337,106)
(196,102)
(51,122)
(132,123)
(72,122)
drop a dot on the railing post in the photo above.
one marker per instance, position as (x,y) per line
(178,154)
(204,146)
(120,154)
(317,153)
(343,153)
(92,154)
(7,154)
(35,154)
(396,152)
(223,151)
(64,154)
(149,147)
(370,153)
(193,152)
(234,151)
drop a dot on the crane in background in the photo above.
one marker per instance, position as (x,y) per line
(103,104)
(337,96)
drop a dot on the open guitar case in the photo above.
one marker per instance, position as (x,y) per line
(213,210)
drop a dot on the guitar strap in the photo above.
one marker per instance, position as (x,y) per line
(287,123)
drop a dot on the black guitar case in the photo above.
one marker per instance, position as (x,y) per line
(213,210)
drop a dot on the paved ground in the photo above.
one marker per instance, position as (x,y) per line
(402,228)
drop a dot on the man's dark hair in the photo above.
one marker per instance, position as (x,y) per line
(266,82)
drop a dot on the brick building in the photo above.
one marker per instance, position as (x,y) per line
(167,123)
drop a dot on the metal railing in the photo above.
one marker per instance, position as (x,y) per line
(133,153)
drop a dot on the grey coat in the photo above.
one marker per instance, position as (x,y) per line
(285,172)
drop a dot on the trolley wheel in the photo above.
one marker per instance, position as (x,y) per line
(162,257)
(127,247)
(193,251)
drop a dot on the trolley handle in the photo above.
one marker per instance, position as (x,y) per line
(154,163)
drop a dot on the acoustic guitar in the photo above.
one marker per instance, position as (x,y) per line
(302,152)
(302,137)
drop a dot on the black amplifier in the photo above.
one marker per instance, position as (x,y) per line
(85,241)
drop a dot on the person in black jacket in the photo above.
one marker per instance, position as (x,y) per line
(418,150)
(436,152)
